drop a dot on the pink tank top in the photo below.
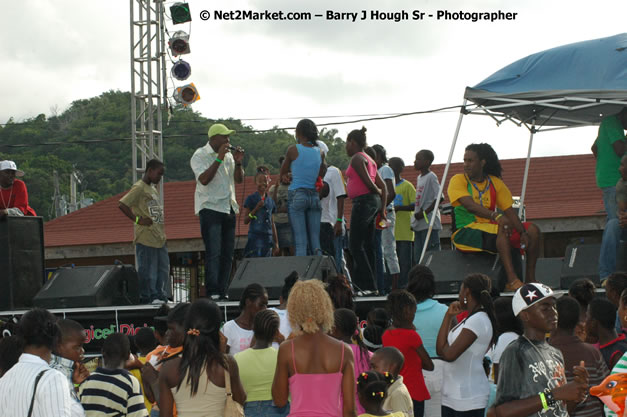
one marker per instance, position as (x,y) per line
(316,395)
(354,185)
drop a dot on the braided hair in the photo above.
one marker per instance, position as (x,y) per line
(309,130)
(266,324)
(372,387)
(251,292)
(486,153)
(398,301)
(201,347)
(345,322)
(479,286)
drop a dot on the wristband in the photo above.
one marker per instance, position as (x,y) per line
(251,216)
(339,219)
(545,406)
(550,399)
(424,214)
(77,385)
(218,160)
(498,216)
(136,219)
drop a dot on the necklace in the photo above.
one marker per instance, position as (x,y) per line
(4,203)
(481,192)
(533,345)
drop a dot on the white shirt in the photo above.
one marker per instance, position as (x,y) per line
(285,328)
(427,187)
(465,386)
(496,352)
(52,398)
(386,173)
(334,178)
(238,339)
(219,193)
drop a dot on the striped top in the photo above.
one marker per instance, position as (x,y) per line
(16,390)
(112,392)
(620,367)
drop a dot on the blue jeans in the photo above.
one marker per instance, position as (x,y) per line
(218,233)
(379,262)
(258,246)
(612,235)
(609,201)
(154,412)
(265,409)
(153,269)
(404,249)
(419,242)
(303,206)
(361,240)
(331,244)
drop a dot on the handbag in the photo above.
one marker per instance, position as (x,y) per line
(32,400)
(232,407)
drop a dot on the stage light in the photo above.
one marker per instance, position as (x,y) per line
(186,94)
(179,43)
(181,70)
(180,13)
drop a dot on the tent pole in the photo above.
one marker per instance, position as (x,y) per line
(443,181)
(521,210)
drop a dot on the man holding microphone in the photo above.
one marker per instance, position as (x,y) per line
(217,170)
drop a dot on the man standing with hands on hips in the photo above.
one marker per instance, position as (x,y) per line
(217,170)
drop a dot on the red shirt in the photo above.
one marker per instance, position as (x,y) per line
(16,197)
(408,341)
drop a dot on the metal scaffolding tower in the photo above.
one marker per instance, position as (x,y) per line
(148,82)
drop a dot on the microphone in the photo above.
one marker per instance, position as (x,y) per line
(235,148)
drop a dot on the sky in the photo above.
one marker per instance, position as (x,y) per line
(55,52)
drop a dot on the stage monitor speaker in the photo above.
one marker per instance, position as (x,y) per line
(581,261)
(548,271)
(21,261)
(90,286)
(450,267)
(271,272)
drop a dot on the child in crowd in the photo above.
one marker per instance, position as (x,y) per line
(390,360)
(402,335)
(258,210)
(427,187)
(372,390)
(67,358)
(112,390)
(145,342)
(285,329)
(239,332)
(257,366)
(172,348)
(377,322)
(600,327)
(509,328)
(583,291)
(346,330)
(522,390)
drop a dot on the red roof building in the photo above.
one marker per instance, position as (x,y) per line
(562,197)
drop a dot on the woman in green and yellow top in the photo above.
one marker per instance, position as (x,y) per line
(484,217)
(257,366)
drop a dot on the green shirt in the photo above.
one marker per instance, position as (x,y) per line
(256,371)
(405,195)
(143,200)
(610,131)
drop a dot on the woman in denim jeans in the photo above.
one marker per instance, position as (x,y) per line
(306,162)
(365,187)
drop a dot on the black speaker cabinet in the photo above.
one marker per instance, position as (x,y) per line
(581,261)
(90,286)
(450,267)
(271,272)
(21,261)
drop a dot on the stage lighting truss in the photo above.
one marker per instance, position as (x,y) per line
(179,43)
(186,94)
(180,13)
(181,70)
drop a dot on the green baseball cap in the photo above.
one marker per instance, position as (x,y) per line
(219,129)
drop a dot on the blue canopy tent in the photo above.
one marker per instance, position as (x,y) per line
(568,86)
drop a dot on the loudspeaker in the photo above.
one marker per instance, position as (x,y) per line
(21,261)
(271,272)
(450,267)
(90,286)
(581,261)
(548,272)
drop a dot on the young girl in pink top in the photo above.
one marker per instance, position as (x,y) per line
(365,187)
(314,368)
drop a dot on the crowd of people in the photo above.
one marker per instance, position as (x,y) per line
(531,354)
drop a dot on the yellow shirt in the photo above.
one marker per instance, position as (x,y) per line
(458,188)
(398,414)
(137,374)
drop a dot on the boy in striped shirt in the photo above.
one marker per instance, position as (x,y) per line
(112,390)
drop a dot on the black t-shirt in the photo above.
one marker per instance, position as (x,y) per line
(528,368)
